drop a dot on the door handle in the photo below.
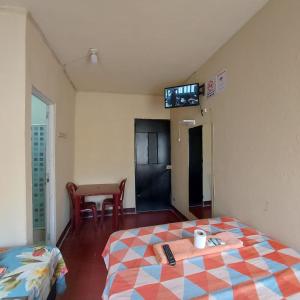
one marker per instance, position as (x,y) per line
(168,167)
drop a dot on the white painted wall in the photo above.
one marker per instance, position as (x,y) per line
(48,77)
(26,61)
(180,156)
(256,124)
(104,136)
(13,219)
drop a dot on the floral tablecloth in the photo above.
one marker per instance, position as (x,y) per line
(31,271)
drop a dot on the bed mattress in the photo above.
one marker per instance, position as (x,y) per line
(262,269)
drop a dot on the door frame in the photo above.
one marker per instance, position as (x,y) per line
(134,157)
(50,169)
(189,164)
(212,153)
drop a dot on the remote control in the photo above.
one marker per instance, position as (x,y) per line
(216,241)
(169,255)
(219,241)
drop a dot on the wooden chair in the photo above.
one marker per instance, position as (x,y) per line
(84,206)
(110,201)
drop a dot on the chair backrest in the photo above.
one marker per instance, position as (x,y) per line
(122,188)
(71,188)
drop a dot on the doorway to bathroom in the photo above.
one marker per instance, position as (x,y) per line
(42,170)
(200,170)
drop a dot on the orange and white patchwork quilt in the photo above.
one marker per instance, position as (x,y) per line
(262,269)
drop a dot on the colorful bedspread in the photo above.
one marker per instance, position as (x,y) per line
(262,269)
(31,272)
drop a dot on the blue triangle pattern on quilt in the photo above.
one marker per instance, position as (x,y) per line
(191,290)
(121,267)
(274,266)
(214,221)
(271,283)
(154,271)
(296,268)
(214,229)
(136,296)
(119,246)
(154,240)
(223,294)
(237,277)
(110,282)
(134,231)
(264,244)
(241,225)
(193,223)
(237,232)
(234,253)
(140,250)
(197,261)
(165,227)
(186,234)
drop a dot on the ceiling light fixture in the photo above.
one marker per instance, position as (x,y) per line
(93,56)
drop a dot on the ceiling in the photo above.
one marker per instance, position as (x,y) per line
(144,45)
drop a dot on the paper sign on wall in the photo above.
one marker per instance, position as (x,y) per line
(221,81)
(211,87)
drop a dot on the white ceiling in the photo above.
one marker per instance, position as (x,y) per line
(144,45)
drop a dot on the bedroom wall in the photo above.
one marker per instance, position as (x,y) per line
(27,61)
(104,136)
(46,74)
(256,125)
(12,126)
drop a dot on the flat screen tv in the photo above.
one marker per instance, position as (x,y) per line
(183,95)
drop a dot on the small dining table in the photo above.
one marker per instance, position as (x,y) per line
(98,190)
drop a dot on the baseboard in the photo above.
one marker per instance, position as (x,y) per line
(63,235)
(129,210)
(178,213)
(207,203)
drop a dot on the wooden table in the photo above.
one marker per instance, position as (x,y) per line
(98,190)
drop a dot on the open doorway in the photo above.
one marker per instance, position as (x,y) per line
(195,167)
(200,170)
(42,171)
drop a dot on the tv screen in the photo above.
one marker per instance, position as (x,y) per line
(184,95)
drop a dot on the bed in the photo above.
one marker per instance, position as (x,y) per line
(262,269)
(31,272)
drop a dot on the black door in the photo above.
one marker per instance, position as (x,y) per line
(152,157)
(195,166)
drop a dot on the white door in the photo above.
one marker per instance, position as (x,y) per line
(43,179)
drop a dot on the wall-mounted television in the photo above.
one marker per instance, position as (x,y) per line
(183,95)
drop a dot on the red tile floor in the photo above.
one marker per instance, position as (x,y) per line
(201,212)
(82,252)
